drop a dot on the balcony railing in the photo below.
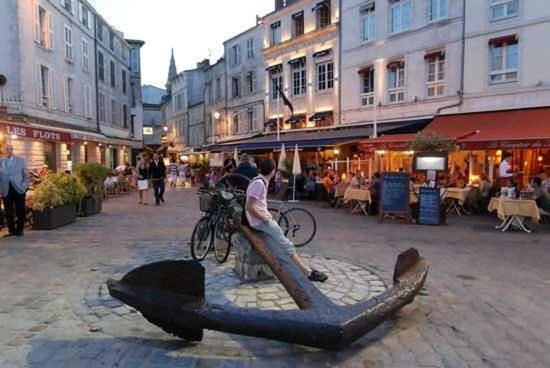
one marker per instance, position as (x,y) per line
(14,101)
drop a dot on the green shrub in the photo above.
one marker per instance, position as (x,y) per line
(58,190)
(92,175)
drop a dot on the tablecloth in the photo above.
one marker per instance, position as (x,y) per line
(361,195)
(509,207)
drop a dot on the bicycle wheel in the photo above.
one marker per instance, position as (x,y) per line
(201,240)
(299,226)
(222,242)
(283,223)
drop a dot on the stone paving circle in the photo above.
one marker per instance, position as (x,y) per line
(347,284)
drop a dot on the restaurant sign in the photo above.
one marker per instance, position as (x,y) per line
(506,144)
(33,133)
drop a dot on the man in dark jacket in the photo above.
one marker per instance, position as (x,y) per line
(158,174)
(245,167)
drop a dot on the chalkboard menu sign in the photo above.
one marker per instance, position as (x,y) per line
(430,202)
(394,196)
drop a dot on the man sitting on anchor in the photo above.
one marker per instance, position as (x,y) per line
(261,220)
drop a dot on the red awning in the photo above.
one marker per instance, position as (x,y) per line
(503,39)
(435,54)
(365,70)
(508,129)
(392,142)
(25,131)
(391,64)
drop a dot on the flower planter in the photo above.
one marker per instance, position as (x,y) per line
(53,218)
(91,206)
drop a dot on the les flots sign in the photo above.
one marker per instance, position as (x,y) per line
(32,133)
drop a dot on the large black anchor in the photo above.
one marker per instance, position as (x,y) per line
(170,294)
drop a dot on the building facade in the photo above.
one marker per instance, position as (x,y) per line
(301,52)
(246,97)
(59,110)
(152,115)
(216,121)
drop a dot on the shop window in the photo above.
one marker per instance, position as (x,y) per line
(502,9)
(436,76)
(400,16)
(50,155)
(504,62)
(325,76)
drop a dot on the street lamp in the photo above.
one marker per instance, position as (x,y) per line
(165,128)
(217,115)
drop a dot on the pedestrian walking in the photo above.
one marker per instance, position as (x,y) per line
(173,173)
(143,176)
(158,174)
(183,170)
(14,178)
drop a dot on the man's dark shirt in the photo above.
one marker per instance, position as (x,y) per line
(157,171)
(247,170)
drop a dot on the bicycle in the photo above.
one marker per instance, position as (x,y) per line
(298,224)
(215,229)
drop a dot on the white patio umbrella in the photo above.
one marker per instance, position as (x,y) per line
(296,170)
(282,158)
(236,157)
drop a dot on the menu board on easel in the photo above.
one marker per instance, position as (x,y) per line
(430,202)
(394,196)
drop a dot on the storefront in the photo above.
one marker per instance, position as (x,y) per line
(481,140)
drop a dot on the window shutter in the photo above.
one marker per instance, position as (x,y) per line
(66,94)
(89,23)
(51,81)
(62,2)
(255,118)
(80,12)
(38,85)
(36,23)
(50,31)
(254,81)
(72,6)
(74,99)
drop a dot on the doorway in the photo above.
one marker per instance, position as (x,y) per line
(50,156)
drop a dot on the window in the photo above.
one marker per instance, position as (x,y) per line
(325,76)
(504,62)
(43,27)
(218,89)
(135,60)
(396,83)
(236,54)
(84,15)
(501,9)
(101,66)
(69,95)
(400,16)
(275,33)
(68,43)
(125,116)
(113,74)
(113,111)
(235,126)
(124,53)
(298,24)
(322,14)
(44,87)
(276,83)
(251,117)
(100,31)
(250,48)
(85,55)
(436,76)
(369,25)
(102,107)
(437,10)
(88,101)
(367,87)
(250,81)
(124,82)
(112,41)
(299,77)
(67,5)
(235,87)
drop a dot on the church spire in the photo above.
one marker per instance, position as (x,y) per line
(172,72)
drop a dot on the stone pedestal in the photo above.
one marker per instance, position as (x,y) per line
(249,265)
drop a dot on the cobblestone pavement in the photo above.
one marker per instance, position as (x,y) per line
(486,301)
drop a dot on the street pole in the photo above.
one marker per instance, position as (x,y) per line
(278,116)
(375,126)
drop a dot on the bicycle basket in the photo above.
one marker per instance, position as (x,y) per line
(205,202)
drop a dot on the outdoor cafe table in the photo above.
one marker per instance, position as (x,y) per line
(514,212)
(457,198)
(361,196)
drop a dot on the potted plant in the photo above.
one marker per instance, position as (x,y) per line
(432,142)
(54,201)
(92,176)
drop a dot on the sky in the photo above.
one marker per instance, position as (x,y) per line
(195,29)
